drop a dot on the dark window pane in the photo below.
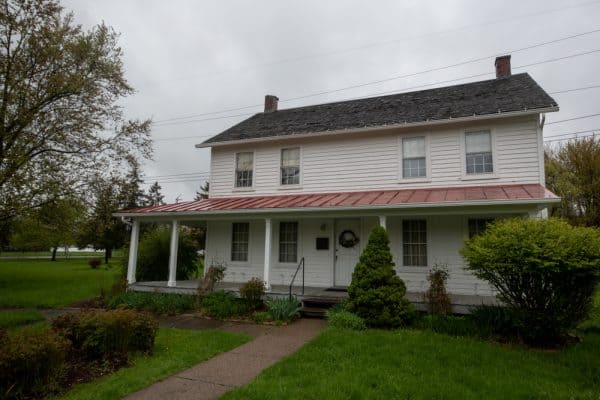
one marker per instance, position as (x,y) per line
(240,234)
(414,242)
(288,241)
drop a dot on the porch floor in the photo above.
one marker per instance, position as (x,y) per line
(461,303)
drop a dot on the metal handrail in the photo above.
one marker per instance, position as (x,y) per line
(300,264)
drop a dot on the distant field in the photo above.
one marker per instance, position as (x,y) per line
(59,254)
(48,284)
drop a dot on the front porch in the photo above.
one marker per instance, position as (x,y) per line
(460,303)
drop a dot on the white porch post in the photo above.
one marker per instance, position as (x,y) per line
(173,254)
(133,250)
(267,270)
(383,221)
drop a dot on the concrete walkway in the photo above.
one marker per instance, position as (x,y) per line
(214,377)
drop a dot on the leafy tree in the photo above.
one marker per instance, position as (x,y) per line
(155,197)
(60,121)
(573,173)
(376,293)
(545,271)
(53,225)
(102,230)
(203,193)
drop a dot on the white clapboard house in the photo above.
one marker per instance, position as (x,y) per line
(297,191)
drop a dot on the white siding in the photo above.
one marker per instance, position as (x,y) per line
(446,235)
(372,161)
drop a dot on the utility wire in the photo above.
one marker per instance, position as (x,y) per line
(573,119)
(390,92)
(555,92)
(393,77)
(383,43)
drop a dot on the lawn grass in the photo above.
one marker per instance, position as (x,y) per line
(51,284)
(410,364)
(175,350)
(420,364)
(12,319)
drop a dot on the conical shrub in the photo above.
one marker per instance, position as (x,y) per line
(376,293)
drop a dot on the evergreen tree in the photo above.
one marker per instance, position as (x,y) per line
(376,293)
(203,193)
(101,229)
(155,197)
(132,192)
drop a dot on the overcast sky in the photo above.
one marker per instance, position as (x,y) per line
(188,58)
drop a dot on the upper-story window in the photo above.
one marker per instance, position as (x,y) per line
(244,165)
(414,161)
(478,147)
(290,166)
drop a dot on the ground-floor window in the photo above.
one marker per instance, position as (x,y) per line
(288,241)
(240,235)
(478,225)
(414,243)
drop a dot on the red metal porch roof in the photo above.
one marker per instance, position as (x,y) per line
(365,199)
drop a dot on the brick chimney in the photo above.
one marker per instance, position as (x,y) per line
(502,66)
(271,103)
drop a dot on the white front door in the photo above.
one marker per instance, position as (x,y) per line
(346,257)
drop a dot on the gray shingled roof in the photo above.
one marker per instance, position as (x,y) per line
(514,93)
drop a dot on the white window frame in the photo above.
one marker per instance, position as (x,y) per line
(298,244)
(416,179)
(428,243)
(295,185)
(230,231)
(463,154)
(244,188)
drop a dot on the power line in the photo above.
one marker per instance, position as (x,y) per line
(573,119)
(177,174)
(593,135)
(571,133)
(394,77)
(388,42)
(575,89)
(408,88)
(390,92)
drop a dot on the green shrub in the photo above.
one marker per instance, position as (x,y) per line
(376,293)
(159,303)
(100,334)
(283,309)
(345,320)
(436,297)
(153,255)
(252,293)
(261,317)
(32,363)
(223,304)
(545,271)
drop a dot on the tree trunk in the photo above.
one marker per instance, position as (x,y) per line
(54,249)
(107,255)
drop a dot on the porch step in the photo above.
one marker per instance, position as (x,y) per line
(316,307)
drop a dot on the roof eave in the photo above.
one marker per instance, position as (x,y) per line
(147,215)
(384,127)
